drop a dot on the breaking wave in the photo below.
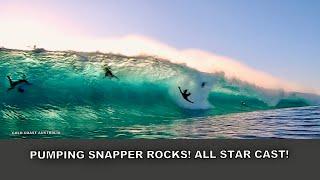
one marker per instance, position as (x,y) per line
(146,85)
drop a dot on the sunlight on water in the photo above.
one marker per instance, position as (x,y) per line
(295,123)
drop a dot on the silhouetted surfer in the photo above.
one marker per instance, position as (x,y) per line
(108,73)
(244,104)
(203,84)
(185,94)
(38,50)
(13,84)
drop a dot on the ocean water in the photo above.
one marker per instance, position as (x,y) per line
(70,98)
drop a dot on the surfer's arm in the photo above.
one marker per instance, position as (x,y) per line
(10,81)
(180,90)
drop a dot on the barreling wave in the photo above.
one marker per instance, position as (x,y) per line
(68,81)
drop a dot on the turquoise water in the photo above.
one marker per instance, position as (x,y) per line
(71,97)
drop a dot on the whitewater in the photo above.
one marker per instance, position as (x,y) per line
(70,94)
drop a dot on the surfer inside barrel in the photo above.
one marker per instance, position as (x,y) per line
(20,82)
(108,73)
(244,104)
(185,94)
(203,84)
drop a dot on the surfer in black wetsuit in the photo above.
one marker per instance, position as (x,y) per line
(108,73)
(185,94)
(244,104)
(203,84)
(38,50)
(13,84)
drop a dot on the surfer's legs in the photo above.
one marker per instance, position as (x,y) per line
(115,77)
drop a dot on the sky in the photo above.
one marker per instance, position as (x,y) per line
(281,38)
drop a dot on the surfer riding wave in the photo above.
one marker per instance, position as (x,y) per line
(185,94)
(13,84)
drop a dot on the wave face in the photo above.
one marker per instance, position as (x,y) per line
(70,88)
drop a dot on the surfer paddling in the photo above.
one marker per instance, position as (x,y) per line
(185,94)
(108,73)
(13,84)
(38,50)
